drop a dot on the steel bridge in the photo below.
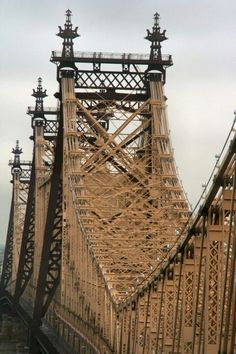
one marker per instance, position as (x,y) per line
(102,253)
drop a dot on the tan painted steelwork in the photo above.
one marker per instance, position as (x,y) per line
(20,201)
(118,228)
(195,285)
(137,274)
(117,225)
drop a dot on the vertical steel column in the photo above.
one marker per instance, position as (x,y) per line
(200,269)
(213,279)
(49,271)
(8,253)
(153,316)
(170,302)
(25,268)
(188,301)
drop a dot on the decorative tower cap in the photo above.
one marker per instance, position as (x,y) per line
(68,34)
(156,35)
(39,93)
(157,61)
(16,151)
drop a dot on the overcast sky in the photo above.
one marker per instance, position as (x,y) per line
(201,86)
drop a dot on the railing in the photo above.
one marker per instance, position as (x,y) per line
(110,56)
(45,109)
(22,163)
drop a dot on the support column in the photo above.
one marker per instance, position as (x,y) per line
(213,280)
(188,303)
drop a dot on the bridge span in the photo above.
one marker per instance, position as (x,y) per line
(103,254)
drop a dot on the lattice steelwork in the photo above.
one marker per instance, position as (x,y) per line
(108,258)
(127,171)
(20,171)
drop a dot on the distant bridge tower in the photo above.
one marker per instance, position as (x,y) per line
(20,171)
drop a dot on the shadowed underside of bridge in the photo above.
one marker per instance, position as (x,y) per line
(101,254)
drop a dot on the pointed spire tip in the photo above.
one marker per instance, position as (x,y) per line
(17,150)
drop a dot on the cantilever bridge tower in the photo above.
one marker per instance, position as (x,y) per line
(98,255)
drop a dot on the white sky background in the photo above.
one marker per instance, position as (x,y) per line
(201,86)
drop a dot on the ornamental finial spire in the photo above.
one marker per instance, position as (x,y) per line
(68,34)
(156,36)
(39,95)
(156,20)
(68,18)
(16,162)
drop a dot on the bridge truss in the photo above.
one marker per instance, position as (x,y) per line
(101,248)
